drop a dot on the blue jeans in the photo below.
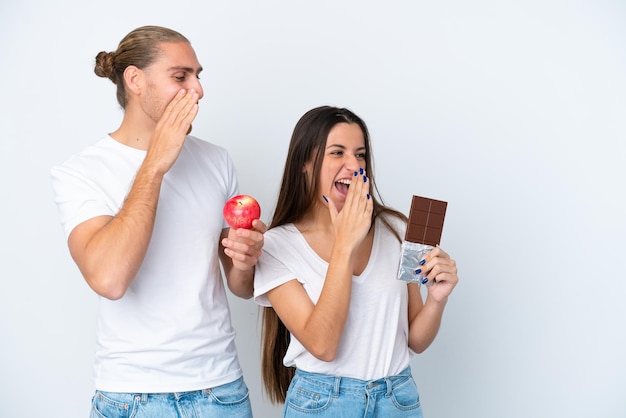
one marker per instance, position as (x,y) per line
(321,395)
(229,400)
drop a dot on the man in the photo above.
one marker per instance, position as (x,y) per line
(142,209)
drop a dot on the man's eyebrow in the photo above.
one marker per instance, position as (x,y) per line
(186,69)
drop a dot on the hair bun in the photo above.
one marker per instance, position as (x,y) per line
(104,66)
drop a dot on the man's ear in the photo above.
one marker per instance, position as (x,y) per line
(133,78)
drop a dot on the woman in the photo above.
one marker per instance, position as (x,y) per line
(334,309)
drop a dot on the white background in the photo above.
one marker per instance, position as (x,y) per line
(513,112)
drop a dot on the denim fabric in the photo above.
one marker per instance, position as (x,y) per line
(230,400)
(320,395)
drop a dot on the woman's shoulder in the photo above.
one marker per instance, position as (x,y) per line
(280,234)
(393,222)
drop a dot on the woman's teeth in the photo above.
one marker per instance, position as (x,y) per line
(343,185)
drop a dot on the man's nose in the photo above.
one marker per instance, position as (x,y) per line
(197,86)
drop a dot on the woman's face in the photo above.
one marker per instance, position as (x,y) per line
(344,154)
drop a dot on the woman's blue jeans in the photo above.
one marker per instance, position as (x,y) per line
(321,395)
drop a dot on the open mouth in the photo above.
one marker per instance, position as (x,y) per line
(342,186)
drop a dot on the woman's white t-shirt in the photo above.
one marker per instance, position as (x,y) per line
(374,343)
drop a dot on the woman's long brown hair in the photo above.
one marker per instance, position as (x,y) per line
(295,199)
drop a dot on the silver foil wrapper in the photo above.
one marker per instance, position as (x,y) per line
(412,254)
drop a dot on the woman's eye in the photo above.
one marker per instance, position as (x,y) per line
(360,156)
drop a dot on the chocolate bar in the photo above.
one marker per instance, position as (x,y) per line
(425,221)
(423,233)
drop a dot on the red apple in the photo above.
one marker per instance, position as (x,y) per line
(239,211)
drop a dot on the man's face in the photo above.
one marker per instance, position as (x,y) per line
(177,68)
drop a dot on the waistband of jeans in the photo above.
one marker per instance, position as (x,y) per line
(337,383)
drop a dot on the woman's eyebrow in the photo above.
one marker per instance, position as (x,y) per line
(344,147)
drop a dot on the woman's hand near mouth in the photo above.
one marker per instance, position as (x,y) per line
(353,222)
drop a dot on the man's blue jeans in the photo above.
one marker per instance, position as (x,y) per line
(230,400)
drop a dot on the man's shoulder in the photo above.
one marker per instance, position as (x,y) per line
(105,151)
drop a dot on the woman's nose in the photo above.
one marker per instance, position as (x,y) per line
(353,164)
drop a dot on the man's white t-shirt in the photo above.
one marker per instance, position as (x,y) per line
(171,331)
(374,343)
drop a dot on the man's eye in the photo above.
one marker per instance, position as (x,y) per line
(180,78)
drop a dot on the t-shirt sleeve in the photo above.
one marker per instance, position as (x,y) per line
(78,198)
(270,272)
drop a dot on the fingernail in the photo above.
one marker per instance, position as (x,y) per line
(421,263)
(418,271)
(361,171)
(364,179)
(368,196)
(325,198)
(356,174)
(425,280)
